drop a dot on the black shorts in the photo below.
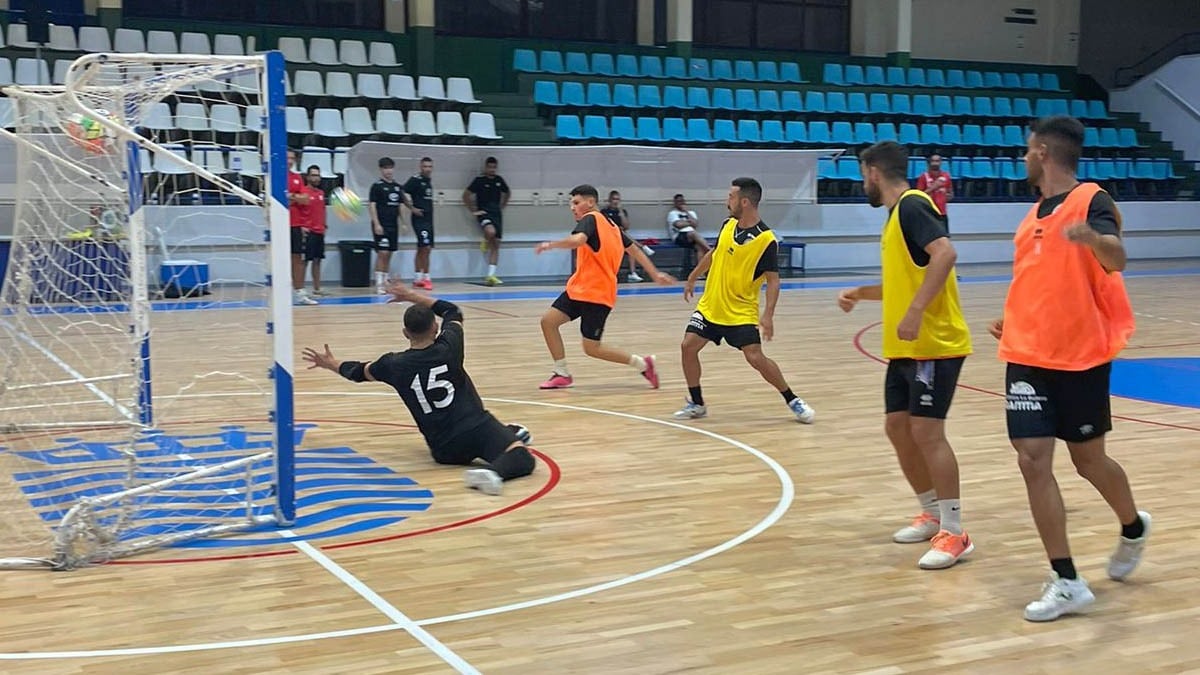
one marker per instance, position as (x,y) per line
(684,239)
(922,388)
(486,441)
(314,246)
(423,228)
(736,336)
(1044,403)
(390,235)
(494,218)
(297,240)
(592,315)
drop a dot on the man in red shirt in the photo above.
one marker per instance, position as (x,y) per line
(298,216)
(314,240)
(936,183)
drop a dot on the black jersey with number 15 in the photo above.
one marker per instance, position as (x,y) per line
(435,387)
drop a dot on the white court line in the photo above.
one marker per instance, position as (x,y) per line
(786,496)
(389,610)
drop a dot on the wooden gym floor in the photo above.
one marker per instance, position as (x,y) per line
(742,543)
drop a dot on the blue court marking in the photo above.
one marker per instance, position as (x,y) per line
(340,491)
(1170,381)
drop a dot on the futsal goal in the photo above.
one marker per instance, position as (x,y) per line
(145,314)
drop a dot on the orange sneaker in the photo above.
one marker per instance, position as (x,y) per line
(947,549)
(922,528)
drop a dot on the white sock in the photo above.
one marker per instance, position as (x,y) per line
(560,368)
(929,503)
(638,362)
(951,515)
(491,270)
(380,278)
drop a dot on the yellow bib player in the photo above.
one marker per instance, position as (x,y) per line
(745,259)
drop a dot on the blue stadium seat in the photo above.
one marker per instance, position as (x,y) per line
(848,169)
(1103,169)
(835,102)
(916,77)
(602,64)
(956,79)
(648,130)
(676,68)
(826,169)
(1078,109)
(1002,106)
(962,106)
(545,93)
(818,133)
(768,71)
(622,129)
(972,134)
(697,97)
(854,75)
(942,106)
(856,103)
(1142,169)
(1122,168)
(936,77)
(974,79)
(1109,138)
(841,132)
(722,98)
(1164,169)
(674,130)
(746,99)
(627,66)
(982,106)
(722,69)
(873,76)
(878,104)
(1005,168)
(596,126)
(959,166)
(571,94)
(1091,137)
(1097,110)
(651,66)
(833,74)
(1127,137)
(916,166)
(951,135)
(1014,136)
(922,104)
(1011,80)
(901,104)
(993,136)
(982,169)
(895,77)
(624,96)
(725,131)
(525,61)
(931,134)
(551,61)
(790,72)
(567,127)
(886,131)
(577,64)
(673,96)
(745,71)
(598,95)
(795,131)
(1051,106)
(864,132)
(1030,81)
(648,97)
(1050,82)
(748,131)
(1022,108)
(1083,170)
(814,101)
(768,100)
(698,69)
(791,101)
(772,132)
(698,131)
(909,135)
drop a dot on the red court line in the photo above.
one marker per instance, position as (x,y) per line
(863,350)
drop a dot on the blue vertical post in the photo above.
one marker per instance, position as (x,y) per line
(139,303)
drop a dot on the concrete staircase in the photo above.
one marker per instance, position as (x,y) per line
(517,119)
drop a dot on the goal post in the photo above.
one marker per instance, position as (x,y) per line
(146,358)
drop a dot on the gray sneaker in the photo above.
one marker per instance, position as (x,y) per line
(1129,552)
(485,480)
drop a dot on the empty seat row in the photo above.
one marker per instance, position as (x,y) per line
(672,67)
(1010,168)
(131,40)
(333,123)
(895,76)
(324,51)
(371,85)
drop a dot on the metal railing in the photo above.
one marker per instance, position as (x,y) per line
(1189,43)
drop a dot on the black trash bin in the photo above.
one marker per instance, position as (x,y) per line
(356,263)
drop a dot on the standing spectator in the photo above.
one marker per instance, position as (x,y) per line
(681,227)
(620,217)
(937,184)
(418,194)
(486,198)
(314,241)
(385,200)
(298,218)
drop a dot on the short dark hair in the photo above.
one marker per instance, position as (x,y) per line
(1063,136)
(418,320)
(585,191)
(889,157)
(311,167)
(490,160)
(749,188)
(386,163)
(614,192)
(678,196)
(427,159)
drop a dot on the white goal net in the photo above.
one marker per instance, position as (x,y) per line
(145,368)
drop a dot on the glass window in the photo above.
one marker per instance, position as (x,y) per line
(599,20)
(362,14)
(801,25)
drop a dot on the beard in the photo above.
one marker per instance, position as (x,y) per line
(874,196)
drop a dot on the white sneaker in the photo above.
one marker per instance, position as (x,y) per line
(381,290)
(922,528)
(301,298)
(805,414)
(633,277)
(1129,552)
(1060,596)
(691,411)
(647,250)
(485,480)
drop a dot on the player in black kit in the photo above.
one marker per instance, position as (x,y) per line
(418,192)
(430,379)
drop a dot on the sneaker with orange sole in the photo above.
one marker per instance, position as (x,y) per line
(922,528)
(948,548)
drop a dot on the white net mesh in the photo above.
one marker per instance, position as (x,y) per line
(135,359)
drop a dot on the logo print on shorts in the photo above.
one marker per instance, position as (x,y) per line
(1020,388)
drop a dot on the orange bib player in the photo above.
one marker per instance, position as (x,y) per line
(591,293)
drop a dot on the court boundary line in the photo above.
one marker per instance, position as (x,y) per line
(787,494)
